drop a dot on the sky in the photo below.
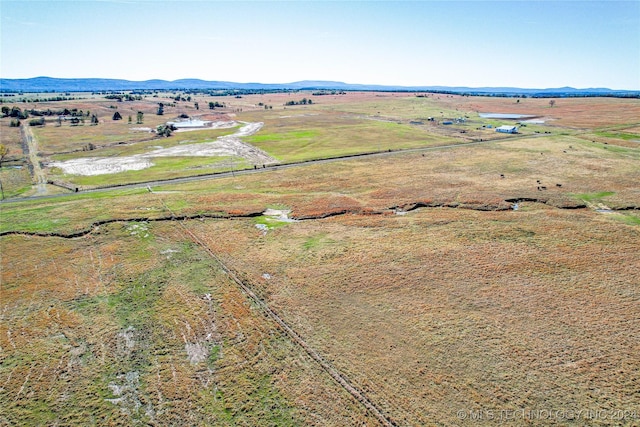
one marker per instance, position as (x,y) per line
(526,44)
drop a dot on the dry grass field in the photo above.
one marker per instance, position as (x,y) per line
(439,311)
(331,126)
(112,329)
(493,283)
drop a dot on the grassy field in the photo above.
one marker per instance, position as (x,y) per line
(330,135)
(331,126)
(495,280)
(113,329)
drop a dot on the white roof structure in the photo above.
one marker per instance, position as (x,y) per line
(507,129)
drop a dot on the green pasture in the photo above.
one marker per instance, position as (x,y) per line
(14,181)
(594,197)
(76,211)
(626,136)
(332,136)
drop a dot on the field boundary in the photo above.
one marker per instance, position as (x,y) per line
(269,168)
(408,207)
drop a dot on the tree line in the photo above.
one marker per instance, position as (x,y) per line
(124,97)
(303,101)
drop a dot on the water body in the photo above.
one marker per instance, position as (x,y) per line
(505,116)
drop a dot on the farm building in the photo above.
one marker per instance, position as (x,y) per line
(507,129)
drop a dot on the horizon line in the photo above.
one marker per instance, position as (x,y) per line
(324,82)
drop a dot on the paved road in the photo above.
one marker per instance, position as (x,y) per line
(221,175)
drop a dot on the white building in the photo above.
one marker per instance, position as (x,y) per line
(507,129)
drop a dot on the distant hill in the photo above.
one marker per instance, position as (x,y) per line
(50,84)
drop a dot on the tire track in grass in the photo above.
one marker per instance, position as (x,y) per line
(339,377)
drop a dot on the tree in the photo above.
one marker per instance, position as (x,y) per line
(552,103)
(139,117)
(196,105)
(129,118)
(94,120)
(160,111)
(117,116)
(3,153)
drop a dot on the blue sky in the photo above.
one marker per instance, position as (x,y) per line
(531,44)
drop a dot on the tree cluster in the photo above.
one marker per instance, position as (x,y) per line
(124,97)
(14,112)
(165,130)
(51,99)
(49,112)
(329,92)
(303,101)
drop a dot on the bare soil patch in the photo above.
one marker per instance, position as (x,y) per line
(229,145)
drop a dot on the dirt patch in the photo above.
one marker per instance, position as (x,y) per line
(197,352)
(228,145)
(279,214)
(186,126)
(101,166)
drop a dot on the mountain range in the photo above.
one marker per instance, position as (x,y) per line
(51,84)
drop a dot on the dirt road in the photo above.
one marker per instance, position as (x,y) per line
(37,174)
